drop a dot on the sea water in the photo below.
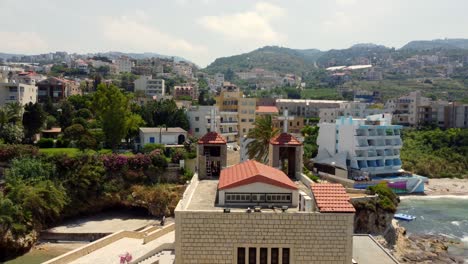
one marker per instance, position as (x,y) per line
(438,215)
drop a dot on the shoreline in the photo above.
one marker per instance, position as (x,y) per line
(442,188)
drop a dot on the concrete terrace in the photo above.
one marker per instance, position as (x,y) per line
(110,253)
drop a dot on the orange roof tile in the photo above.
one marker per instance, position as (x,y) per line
(212,138)
(267,109)
(251,171)
(332,198)
(285,139)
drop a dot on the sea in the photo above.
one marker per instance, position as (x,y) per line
(438,215)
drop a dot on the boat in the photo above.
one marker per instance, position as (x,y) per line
(404,217)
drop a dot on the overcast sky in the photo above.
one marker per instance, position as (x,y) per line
(202,30)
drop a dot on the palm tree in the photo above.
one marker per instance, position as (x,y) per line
(262,133)
(15,112)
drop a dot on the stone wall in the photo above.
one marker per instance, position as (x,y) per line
(213,236)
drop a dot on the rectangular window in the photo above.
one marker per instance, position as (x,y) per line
(286,256)
(197,129)
(274,256)
(251,120)
(252,255)
(151,139)
(197,118)
(264,255)
(240,255)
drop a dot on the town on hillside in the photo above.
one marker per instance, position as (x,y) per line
(118,158)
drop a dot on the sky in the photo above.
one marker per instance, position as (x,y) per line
(203,30)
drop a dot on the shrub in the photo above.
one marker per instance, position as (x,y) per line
(158,160)
(187,174)
(148,148)
(45,143)
(114,162)
(9,152)
(84,113)
(387,200)
(62,143)
(178,154)
(139,161)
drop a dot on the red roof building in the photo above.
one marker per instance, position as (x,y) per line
(332,198)
(252,171)
(285,139)
(212,138)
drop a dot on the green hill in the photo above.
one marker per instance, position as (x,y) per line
(283,60)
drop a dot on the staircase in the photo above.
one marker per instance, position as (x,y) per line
(162,257)
(416,185)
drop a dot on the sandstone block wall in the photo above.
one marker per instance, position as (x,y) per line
(213,237)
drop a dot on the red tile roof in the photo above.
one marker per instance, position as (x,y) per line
(332,198)
(267,109)
(285,139)
(212,138)
(251,171)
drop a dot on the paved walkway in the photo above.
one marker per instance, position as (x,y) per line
(110,253)
(109,222)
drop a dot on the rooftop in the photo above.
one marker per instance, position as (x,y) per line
(162,130)
(251,171)
(267,109)
(332,198)
(285,139)
(212,138)
(309,101)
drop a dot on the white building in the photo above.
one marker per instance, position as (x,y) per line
(162,135)
(360,145)
(124,64)
(354,109)
(200,119)
(17,92)
(150,86)
(304,107)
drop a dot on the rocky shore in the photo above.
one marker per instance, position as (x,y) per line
(447,187)
(414,248)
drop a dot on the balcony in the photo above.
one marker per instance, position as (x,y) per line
(230,133)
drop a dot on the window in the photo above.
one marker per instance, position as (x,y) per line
(244,130)
(286,255)
(274,256)
(197,129)
(197,118)
(252,255)
(251,120)
(151,139)
(264,255)
(243,120)
(240,255)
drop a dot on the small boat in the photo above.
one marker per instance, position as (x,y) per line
(404,217)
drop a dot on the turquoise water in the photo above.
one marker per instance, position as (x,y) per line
(447,216)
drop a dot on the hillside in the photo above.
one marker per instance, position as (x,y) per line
(446,44)
(283,60)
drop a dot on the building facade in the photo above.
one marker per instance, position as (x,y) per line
(443,114)
(150,87)
(56,89)
(185,92)
(405,108)
(123,64)
(17,93)
(162,135)
(201,117)
(354,109)
(304,107)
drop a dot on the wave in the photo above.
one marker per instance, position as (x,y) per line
(428,197)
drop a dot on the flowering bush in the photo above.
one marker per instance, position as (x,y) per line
(139,161)
(9,152)
(178,154)
(114,162)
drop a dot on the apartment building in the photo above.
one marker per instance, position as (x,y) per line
(149,86)
(304,107)
(354,109)
(185,92)
(201,117)
(368,145)
(444,115)
(29,77)
(405,108)
(13,92)
(123,64)
(56,89)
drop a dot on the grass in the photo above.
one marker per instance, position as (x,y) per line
(71,151)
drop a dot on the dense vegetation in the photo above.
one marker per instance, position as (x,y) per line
(436,153)
(40,190)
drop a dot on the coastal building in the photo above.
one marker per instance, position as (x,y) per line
(150,87)
(162,135)
(12,92)
(365,149)
(304,107)
(56,89)
(443,114)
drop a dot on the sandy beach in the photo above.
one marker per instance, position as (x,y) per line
(447,187)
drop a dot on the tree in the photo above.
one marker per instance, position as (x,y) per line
(134,122)
(11,133)
(33,119)
(66,114)
(74,132)
(113,110)
(261,134)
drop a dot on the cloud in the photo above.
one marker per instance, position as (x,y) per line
(134,33)
(22,42)
(345,3)
(251,25)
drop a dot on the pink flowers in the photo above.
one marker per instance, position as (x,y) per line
(114,162)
